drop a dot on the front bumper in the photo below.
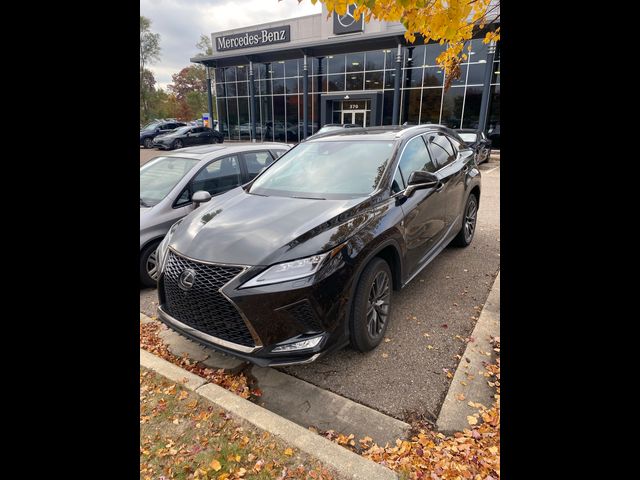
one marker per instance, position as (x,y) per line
(273,315)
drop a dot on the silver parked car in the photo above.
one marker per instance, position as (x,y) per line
(168,184)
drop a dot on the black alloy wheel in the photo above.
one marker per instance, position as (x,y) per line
(178,144)
(148,142)
(372,304)
(465,235)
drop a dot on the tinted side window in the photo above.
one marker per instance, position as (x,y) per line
(455,144)
(415,157)
(441,150)
(398,183)
(256,161)
(219,176)
(278,153)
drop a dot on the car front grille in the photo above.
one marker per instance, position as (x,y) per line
(202,306)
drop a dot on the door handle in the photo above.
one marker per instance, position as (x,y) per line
(440,186)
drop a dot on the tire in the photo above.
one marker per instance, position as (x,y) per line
(177,144)
(220,139)
(468,229)
(148,142)
(365,330)
(147,256)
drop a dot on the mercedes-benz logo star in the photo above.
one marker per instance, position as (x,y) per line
(187,278)
(347,19)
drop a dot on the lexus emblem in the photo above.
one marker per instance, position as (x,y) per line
(347,19)
(187,278)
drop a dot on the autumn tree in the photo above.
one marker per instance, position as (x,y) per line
(149,54)
(189,87)
(450,22)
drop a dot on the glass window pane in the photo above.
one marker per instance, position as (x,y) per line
(223,125)
(219,89)
(354,81)
(496,73)
(219,176)
(390,57)
(452,107)
(389,78)
(256,161)
(279,118)
(266,120)
(336,83)
(493,122)
(472,107)
(336,63)
(478,50)
(291,67)
(433,77)
(415,157)
(230,88)
(243,89)
(412,77)
(431,98)
(374,60)
(278,85)
(259,70)
(387,107)
(243,118)
(230,74)
(291,85)
(277,69)
(476,73)
(463,76)
(232,106)
(242,72)
(411,107)
(416,54)
(293,130)
(433,50)
(373,80)
(355,62)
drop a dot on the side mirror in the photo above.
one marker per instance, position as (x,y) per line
(200,197)
(419,180)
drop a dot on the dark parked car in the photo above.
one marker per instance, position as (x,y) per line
(168,182)
(186,137)
(303,260)
(477,140)
(153,129)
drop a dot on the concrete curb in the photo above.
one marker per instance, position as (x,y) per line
(343,462)
(453,414)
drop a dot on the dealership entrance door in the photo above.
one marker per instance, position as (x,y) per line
(359,117)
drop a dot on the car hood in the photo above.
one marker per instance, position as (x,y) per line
(244,229)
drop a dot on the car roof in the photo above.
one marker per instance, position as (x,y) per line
(385,132)
(208,152)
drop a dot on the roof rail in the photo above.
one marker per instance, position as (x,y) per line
(416,127)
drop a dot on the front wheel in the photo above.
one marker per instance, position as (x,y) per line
(372,304)
(465,235)
(149,265)
(220,139)
(177,144)
(148,143)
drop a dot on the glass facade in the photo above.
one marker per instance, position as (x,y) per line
(279,87)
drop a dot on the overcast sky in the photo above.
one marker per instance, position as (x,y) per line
(181,22)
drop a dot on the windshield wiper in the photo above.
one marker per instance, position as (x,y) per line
(311,198)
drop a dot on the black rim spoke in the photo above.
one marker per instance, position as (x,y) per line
(378,304)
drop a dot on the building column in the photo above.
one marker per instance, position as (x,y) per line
(209,96)
(486,89)
(396,87)
(252,102)
(305,98)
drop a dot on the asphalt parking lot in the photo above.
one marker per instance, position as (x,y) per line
(430,319)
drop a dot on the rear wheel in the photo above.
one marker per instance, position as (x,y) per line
(465,235)
(178,144)
(149,265)
(372,303)
(148,143)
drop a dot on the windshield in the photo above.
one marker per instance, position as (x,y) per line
(468,137)
(180,130)
(151,126)
(160,175)
(326,170)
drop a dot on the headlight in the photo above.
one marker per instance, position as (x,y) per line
(284,272)
(161,253)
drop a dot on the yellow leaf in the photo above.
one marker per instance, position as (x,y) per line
(493,450)
(215,464)
(472,420)
(288,452)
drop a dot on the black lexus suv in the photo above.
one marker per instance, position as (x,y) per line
(304,259)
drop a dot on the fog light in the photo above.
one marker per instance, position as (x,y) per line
(304,344)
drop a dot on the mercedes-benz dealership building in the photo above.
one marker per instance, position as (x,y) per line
(284,80)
